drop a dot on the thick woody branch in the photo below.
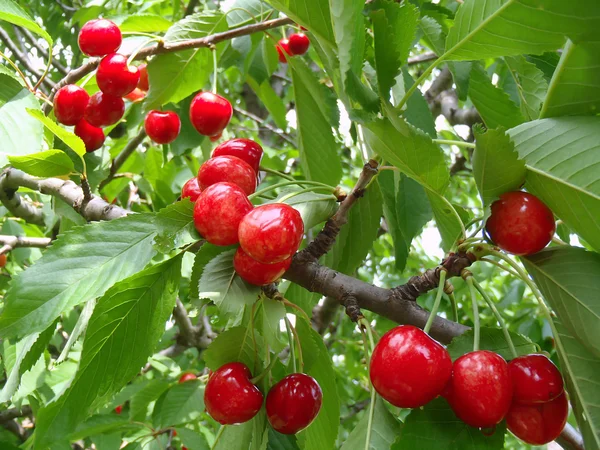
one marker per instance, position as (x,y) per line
(419,59)
(11,242)
(10,414)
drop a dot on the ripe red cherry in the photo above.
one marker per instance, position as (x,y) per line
(283,49)
(258,273)
(99,37)
(137,95)
(69,104)
(104,110)
(218,213)
(187,377)
(210,113)
(93,137)
(541,423)
(191,189)
(271,233)
(298,43)
(535,379)
(520,223)
(480,390)
(116,77)
(144,83)
(293,403)
(119,409)
(163,127)
(230,397)
(227,169)
(408,368)
(245,149)
(3,259)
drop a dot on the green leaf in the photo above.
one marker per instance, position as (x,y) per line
(531,85)
(175,225)
(496,165)
(145,23)
(447,218)
(138,405)
(575,86)
(562,160)
(51,163)
(383,433)
(435,427)
(312,14)
(417,111)
(13,355)
(278,441)
(197,26)
(491,339)
(205,255)
(314,208)
(317,113)
(181,404)
(569,278)
(270,316)
(127,323)
(220,283)
(233,345)
(72,141)
(237,437)
(13,13)
(237,17)
(99,424)
(191,439)
(79,266)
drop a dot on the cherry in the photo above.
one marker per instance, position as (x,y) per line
(480,390)
(408,368)
(188,376)
(271,233)
(210,113)
(245,149)
(258,273)
(163,127)
(144,83)
(230,397)
(137,95)
(99,37)
(215,138)
(227,169)
(283,48)
(298,43)
(520,223)
(535,379)
(104,110)
(218,212)
(3,259)
(115,76)
(69,104)
(92,137)
(119,409)
(191,189)
(293,403)
(541,423)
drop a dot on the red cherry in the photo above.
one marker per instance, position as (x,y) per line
(115,76)
(210,113)
(535,379)
(163,127)
(3,259)
(92,137)
(187,377)
(480,390)
(144,83)
(137,95)
(520,223)
(538,424)
(258,273)
(69,104)
(216,138)
(119,409)
(245,149)
(283,48)
(218,213)
(408,368)
(298,43)
(227,169)
(104,110)
(184,448)
(293,403)
(271,233)
(191,189)
(99,37)
(230,397)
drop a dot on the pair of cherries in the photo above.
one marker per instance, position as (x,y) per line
(292,404)
(295,45)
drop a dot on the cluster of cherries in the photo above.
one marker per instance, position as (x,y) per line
(268,235)
(295,45)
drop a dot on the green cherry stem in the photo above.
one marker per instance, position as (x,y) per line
(267,371)
(476,325)
(215,69)
(288,327)
(454,307)
(285,176)
(436,304)
(457,143)
(365,328)
(501,266)
(303,191)
(289,183)
(218,436)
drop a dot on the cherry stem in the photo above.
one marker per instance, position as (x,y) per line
(21,74)
(291,343)
(492,306)
(139,49)
(416,84)
(476,325)
(457,143)
(303,191)
(278,173)
(267,371)
(218,436)
(291,330)
(454,307)
(140,33)
(46,70)
(436,304)
(289,304)
(289,183)
(503,267)
(215,69)
(365,329)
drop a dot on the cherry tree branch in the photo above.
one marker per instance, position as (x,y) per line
(282,134)
(43,52)
(10,414)
(122,157)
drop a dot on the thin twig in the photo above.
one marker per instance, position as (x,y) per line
(122,157)
(279,132)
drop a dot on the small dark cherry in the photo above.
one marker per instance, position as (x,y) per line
(283,50)
(162,127)
(520,223)
(218,212)
(230,397)
(271,233)
(104,110)
(535,379)
(144,83)
(116,77)
(119,409)
(99,37)
(70,102)
(257,273)
(293,403)
(480,390)
(227,169)
(93,137)
(210,113)
(408,368)
(191,189)
(298,43)
(3,259)
(541,423)
(245,149)
(188,376)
